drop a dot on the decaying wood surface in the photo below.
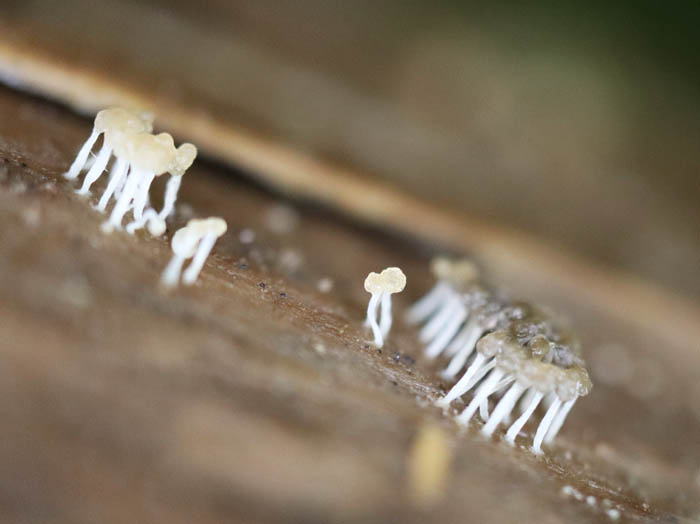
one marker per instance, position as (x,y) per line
(255,397)
(426,109)
(553,274)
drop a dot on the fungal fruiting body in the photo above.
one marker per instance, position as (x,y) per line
(195,241)
(139,158)
(147,156)
(182,159)
(162,150)
(112,124)
(514,353)
(443,309)
(381,286)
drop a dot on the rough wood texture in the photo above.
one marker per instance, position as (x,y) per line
(552,274)
(253,397)
(431,108)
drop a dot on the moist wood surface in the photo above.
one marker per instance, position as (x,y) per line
(577,139)
(255,397)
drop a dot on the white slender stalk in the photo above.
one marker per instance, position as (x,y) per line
(124,202)
(522,420)
(171,273)
(381,286)
(96,170)
(484,407)
(482,394)
(171,190)
(120,187)
(504,407)
(385,312)
(458,361)
(82,157)
(141,195)
(203,249)
(559,420)
(526,399)
(373,309)
(462,386)
(548,399)
(440,342)
(148,215)
(117,173)
(372,319)
(544,425)
(437,322)
(481,373)
(459,340)
(428,304)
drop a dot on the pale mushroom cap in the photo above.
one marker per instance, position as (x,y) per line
(122,120)
(575,382)
(391,280)
(208,226)
(374,283)
(152,153)
(394,280)
(184,242)
(460,271)
(165,140)
(147,117)
(116,139)
(183,158)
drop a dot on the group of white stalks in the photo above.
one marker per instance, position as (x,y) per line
(458,318)
(506,351)
(138,157)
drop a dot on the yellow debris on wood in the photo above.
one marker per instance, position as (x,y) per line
(428,465)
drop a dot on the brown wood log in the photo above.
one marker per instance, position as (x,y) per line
(254,397)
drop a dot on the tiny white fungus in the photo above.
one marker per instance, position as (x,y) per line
(140,157)
(148,156)
(451,274)
(510,352)
(182,159)
(381,286)
(112,124)
(195,241)
(208,230)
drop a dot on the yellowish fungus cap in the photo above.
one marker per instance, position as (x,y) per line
(207,226)
(374,283)
(184,242)
(183,159)
(152,153)
(123,120)
(391,280)
(456,271)
(394,280)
